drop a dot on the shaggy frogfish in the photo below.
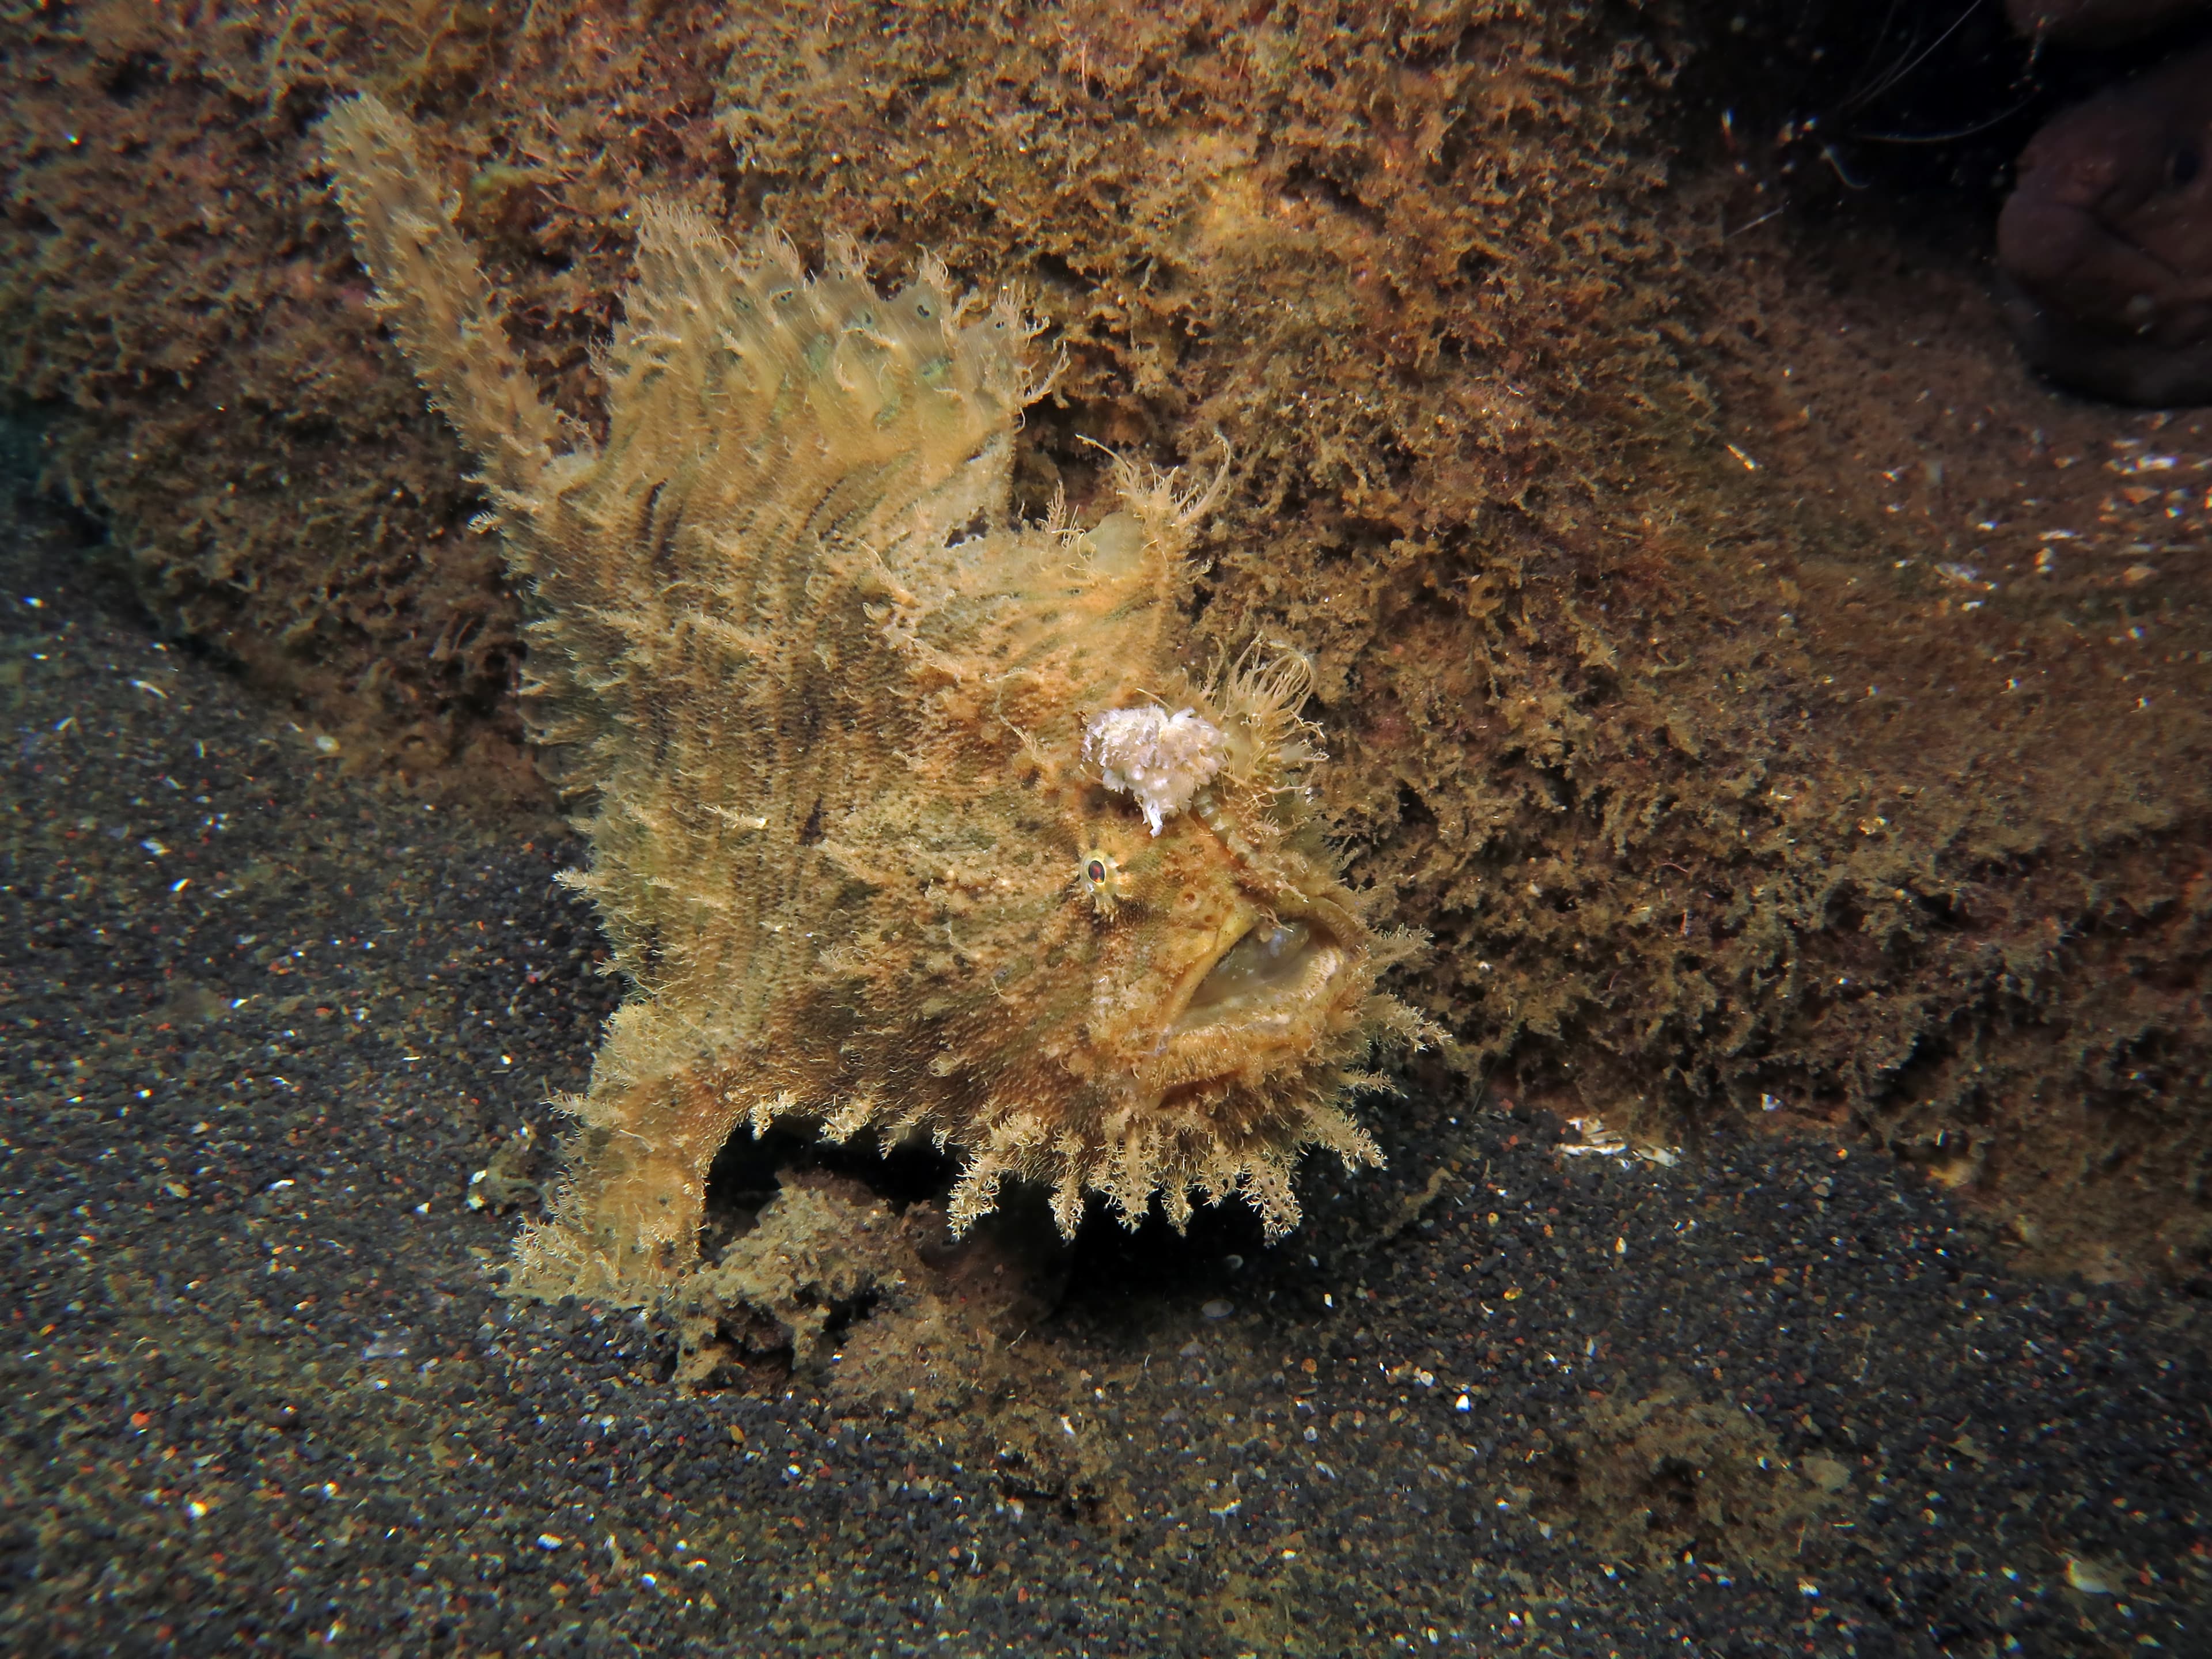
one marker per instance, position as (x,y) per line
(905,816)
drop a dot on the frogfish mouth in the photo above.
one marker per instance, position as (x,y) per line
(906,816)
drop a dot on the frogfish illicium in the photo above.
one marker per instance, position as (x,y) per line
(906,817)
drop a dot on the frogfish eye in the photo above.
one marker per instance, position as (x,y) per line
(1099,880)
(2184,164)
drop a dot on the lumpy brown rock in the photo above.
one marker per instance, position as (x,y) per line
(2105,243)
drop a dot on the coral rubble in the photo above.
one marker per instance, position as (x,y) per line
(826,707)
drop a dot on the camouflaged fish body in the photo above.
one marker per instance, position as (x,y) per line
(824,707)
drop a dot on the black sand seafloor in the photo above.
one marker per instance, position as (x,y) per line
(276,1042)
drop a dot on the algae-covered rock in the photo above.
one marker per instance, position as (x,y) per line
(1775,706)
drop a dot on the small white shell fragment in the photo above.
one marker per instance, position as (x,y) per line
(2086,1577)
(1162,759)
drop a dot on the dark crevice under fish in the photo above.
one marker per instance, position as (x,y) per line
(2105,247)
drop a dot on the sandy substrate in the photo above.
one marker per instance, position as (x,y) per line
(265,1022)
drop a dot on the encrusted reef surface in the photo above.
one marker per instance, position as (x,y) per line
(1773,703)
(272,1028)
